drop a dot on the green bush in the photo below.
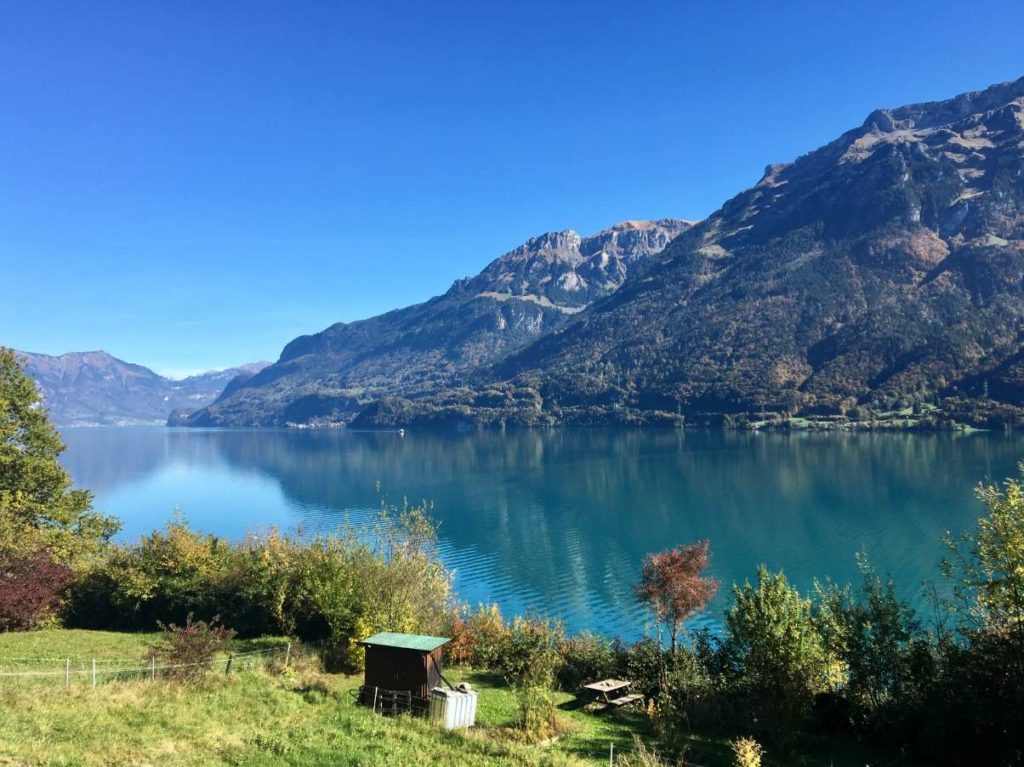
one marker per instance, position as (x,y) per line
(777,659)
(878,652)
(644,663)
(537,716)
(586,658)
(691,697)
(336,589)
(529,655)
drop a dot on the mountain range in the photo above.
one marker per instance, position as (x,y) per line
(883,270)
(97,389)
(332,375)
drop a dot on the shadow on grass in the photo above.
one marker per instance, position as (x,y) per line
(261,643)
(482,678)
(599,728)
(576,704)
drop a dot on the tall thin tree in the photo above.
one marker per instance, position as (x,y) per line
(673,585)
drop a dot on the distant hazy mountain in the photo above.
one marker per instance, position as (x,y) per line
(521,295)
(96,389)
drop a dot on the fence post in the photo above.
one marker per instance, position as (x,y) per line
(152,669)
(287,654)
(94,673)
(227,669)
(67,672)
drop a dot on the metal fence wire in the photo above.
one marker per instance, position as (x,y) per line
(69,672)
(95,671)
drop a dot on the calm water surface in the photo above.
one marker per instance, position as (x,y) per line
(557,522)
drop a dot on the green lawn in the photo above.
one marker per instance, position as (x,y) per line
(259,716)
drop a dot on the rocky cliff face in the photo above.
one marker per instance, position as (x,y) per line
(882,271)
(97,389)
(518,297)
(885,267)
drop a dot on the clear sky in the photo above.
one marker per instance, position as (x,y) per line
(190,185)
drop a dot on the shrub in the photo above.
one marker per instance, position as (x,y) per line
(881,659)
(537,716)
(584,659)
(689,697)
(747,752)
(643,756)
(335,588)
(165,576)
(30,588)
(777,660)
(644,663)
(188,651)
(529,655)
(477,637)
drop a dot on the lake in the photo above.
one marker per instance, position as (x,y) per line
(556,522)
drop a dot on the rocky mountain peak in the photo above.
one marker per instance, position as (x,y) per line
(878,271)
(933,114)
(518,297)
(566,270)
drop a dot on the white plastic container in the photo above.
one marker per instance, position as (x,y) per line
(453,709)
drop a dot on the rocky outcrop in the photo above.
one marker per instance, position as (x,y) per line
(330,376)
(880,270)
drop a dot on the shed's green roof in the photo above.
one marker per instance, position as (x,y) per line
(405,641)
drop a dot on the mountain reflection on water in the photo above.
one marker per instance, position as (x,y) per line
(556,521)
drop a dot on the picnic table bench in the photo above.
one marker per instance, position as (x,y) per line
(614,693)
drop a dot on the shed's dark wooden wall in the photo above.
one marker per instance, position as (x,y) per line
(392,668)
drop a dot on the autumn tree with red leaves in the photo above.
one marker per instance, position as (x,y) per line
(30,588)
(672,584)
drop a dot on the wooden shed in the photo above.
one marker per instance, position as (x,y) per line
(404,663)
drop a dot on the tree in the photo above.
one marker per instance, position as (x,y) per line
(30,588)
(984,671)
(776,655)
(878,642)
(672,584)
(987,566)
(38,508)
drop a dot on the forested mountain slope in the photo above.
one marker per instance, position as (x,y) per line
(881,270)
(521,295)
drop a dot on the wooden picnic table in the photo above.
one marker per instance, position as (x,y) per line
(614,693)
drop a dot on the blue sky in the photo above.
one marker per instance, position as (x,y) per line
(191,185)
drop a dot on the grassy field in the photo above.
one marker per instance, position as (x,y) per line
(259,716)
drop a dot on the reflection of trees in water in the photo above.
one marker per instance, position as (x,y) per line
(579,508)
(567,513)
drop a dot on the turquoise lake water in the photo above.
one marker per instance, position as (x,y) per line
(556,522)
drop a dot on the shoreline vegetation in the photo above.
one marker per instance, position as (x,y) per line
(465,409)
(921,418)
(841,675)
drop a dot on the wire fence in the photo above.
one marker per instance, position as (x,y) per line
(80,672)
(77,671)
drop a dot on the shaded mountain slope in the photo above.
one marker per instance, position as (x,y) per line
(884,266)
(521,295)
(883,270)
